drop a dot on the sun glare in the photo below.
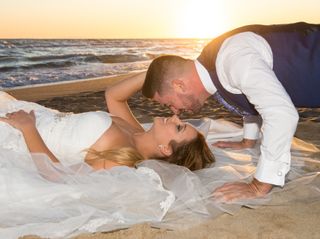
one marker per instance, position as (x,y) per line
(202,19)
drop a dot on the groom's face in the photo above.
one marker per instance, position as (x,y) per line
(171,101)
(179,102)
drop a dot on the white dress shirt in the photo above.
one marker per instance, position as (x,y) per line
(244,66)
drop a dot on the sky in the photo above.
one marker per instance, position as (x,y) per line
(145,18)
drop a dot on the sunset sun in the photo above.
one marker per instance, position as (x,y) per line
(202,19)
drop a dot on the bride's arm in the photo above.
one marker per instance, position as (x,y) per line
(25,122)
(118,94)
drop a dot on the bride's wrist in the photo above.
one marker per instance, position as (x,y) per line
(28,129)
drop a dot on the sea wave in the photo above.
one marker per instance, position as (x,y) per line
(56,64)
(121,58)
(6,59)
(53,61)
(107,58)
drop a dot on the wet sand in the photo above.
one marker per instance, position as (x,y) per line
(283,218)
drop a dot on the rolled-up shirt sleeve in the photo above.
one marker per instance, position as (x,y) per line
(245,66)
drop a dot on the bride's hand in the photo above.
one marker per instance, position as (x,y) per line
(20,119)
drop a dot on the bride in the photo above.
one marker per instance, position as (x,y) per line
(50,166)
(105,140)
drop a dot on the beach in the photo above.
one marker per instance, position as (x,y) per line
(290,214)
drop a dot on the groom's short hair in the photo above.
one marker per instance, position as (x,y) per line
(160,73)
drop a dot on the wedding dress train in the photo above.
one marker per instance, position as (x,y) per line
(53,200)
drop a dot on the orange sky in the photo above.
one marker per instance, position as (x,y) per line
(144,18)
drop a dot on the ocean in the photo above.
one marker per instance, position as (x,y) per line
(28,62)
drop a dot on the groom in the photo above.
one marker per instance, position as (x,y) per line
(260,72)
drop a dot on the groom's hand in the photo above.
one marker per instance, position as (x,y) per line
(237,190)
(244,144)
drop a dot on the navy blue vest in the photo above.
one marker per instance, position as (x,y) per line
(296,62)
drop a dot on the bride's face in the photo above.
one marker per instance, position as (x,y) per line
(172,128)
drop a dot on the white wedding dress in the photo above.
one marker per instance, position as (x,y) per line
(67,135)
(38,197)
(54,200)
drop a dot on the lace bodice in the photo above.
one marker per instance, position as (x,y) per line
(67,135)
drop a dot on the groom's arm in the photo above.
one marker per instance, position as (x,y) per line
(248,62)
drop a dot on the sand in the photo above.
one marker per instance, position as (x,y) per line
(47,91)
(291,214)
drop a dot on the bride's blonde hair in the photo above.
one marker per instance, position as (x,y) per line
(126,156)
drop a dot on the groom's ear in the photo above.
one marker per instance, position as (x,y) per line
(165,150)
(178,86)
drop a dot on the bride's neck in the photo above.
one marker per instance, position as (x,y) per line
(145,145)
